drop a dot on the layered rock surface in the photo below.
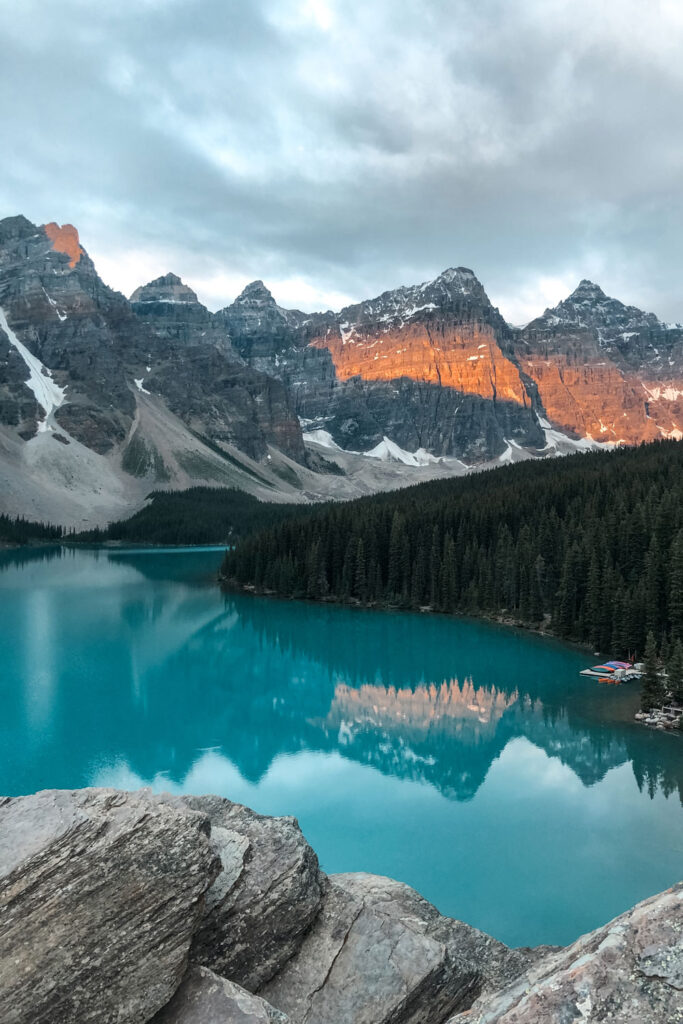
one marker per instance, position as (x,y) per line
(629,972)
(426,366)
(435,366)
(268,894)
(605,370)
(113,904)
(380,954)
(107,355)
(100,895)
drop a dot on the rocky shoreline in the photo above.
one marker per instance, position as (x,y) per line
(667,719)
(123,908)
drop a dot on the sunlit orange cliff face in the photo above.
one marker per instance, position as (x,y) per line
(465,357)
(582,397)
(65,239)
(598,401)
(591,368)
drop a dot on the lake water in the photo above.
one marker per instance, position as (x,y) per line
(468,760)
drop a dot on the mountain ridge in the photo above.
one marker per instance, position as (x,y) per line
(422,380)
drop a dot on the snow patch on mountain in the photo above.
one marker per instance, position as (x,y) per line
(48,394)
(322,437)
(562,444)
(669,393)
(388,451)
(62,316)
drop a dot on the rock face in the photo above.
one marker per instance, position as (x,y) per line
(158,390)
(444,332)
(123,908)
(436,366)
(98,346)
(427,366)
(80,330)
(173,313)
(100,894)
(380,953)
(65,239)
(605,370)
(266,898)
(629,972)
(107,355)
(206,998)
(168,289)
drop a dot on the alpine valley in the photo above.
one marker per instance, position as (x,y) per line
(104,399)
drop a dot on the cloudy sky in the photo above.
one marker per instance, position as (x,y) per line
(336,148)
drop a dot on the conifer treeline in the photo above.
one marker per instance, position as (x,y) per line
(21,531)
(591,546)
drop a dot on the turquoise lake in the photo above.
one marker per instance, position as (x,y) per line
(469,760)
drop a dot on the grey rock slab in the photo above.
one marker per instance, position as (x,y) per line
(380,954)
(267,896)
(628,972)
(100,893)
(206,998)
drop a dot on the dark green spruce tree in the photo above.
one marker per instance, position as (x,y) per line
(652,691)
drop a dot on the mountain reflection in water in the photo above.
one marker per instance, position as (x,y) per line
(451,754)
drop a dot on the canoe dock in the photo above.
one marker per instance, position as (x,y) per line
(614,672)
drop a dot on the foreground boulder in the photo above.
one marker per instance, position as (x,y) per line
(380,954)
(268,893)
(100,894)
(628,972)
(123,908)
(204,998)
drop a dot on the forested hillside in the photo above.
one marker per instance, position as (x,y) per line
(590,546)
(198,515)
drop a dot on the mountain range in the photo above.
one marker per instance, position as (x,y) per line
(104,399)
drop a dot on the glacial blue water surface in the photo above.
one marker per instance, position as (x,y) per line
(468,760)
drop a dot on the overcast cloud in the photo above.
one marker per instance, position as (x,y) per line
(338,148)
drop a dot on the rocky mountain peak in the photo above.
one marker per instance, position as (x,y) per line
(169,288)
(255,294)
(65,239)
(587,291)
(589,308)
(455,285)
(460,278)
(14,228)
(456,292)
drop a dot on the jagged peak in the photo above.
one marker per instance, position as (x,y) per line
(169,278)
(167,288)
(587,301)
(463,275)
(456,281)
(452,285)
(453,281)
(17,226)
(587,290)
(255,293)
(590,308)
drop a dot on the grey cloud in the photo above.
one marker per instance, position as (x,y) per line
(355,146)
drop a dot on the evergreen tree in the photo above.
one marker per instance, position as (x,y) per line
(361,589)
(652,693)
(675,672)
(676,586)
